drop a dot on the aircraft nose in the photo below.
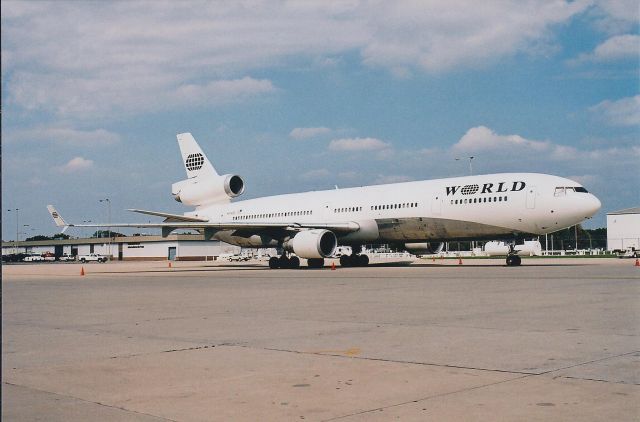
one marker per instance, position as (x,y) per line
(592,205)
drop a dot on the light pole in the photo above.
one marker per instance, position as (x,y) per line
(84,232)
(109,223)
(470,165)
(17,211)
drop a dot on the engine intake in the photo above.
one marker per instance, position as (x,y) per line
(317,243)
(202,191)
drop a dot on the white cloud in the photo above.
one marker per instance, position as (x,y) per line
(315,174)
(308,132)
(95,59)
(64,135)
(481,138)
(618,47)
(358,144)
(616,16)
(392,178)
(622,112)
(76,164)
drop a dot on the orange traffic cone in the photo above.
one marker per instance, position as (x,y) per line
(333,266)
(81,270)
(637,262)
(459,260)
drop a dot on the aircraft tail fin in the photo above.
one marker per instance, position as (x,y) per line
(194,159)
(57,218)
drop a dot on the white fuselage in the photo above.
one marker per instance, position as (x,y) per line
(483,206)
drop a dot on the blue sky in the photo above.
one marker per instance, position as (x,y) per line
(297,96)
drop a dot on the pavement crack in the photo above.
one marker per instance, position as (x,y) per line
(89,401)
(408,362)
(463,390)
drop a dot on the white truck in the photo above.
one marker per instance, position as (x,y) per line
(92,257)
(66,257)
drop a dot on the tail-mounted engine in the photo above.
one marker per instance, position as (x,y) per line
(209,190)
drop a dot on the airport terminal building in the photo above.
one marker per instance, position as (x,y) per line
(178,247)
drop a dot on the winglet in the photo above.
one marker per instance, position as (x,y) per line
(57,218)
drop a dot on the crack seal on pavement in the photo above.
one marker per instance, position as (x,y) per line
(89,401)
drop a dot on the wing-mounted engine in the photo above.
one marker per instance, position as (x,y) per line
(203,191)
(317,243)
(204,185)
(424,248)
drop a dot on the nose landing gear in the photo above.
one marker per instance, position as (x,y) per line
(513,260)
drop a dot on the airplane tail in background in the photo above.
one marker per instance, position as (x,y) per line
(203,186)
(57,218)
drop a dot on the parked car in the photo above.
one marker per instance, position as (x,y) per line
(33,258)
(66,257)
(92,257)
(49,256)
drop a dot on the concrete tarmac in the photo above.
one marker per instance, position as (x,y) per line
(554,339)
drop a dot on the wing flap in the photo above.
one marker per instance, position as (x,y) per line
(168,216)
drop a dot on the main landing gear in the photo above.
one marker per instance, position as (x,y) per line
(293,262)
(355,260)
(284,262)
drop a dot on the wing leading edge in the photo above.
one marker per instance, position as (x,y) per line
(175,221)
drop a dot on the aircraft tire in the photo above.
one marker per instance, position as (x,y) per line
(283,262)
(315,262)
(513,260)
(354,260)
(294,262)
(363,260)
(345,261)
(274,262)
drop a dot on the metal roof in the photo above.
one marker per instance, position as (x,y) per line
(101,240)
(634,210)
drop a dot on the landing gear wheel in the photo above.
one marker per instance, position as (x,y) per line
(274,262)
(354,261)
(513,260)
(283,262)
(294,262)
(345,261)
(315,262)
(363,260)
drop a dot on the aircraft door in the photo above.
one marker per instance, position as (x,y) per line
(531,197)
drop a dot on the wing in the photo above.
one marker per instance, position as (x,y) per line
(176,221)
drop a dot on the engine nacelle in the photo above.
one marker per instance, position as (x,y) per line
(317,243)
(423,248)
(202,191)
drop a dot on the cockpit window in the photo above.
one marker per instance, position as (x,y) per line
(563,190)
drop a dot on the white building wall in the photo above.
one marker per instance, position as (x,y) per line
(147,250)
(204,248)
(623,231)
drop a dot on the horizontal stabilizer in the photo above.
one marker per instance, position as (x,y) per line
(170,217)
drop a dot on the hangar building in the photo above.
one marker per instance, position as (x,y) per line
(178,247)
(623,229)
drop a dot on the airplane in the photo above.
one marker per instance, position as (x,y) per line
(417,216)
